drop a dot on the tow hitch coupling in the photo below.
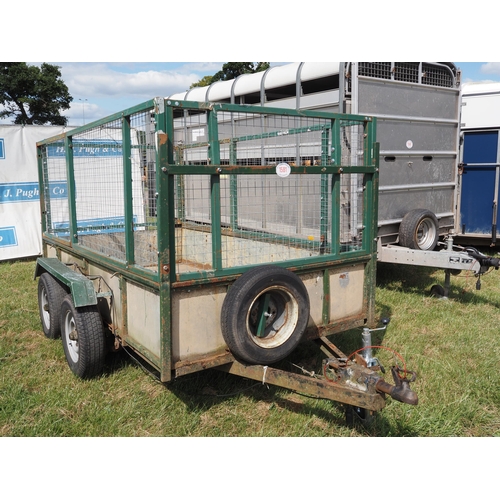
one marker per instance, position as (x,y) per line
(360,371)
(400,391)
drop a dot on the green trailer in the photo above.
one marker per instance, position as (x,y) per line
(215,236)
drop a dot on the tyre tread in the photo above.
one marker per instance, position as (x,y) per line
(91,340)
(409,226)
(237,295)
(55,295)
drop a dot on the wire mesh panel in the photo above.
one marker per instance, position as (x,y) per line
(273,219)
(237,186)
(55,189)
(265,213)
(112,176)
(143,174)
(193,242)
(99,189)
(412,72)
(351,208)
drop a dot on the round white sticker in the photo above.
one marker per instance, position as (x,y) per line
(283,169)
(409,144)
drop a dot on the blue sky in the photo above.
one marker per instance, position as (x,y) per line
(102,88)
(479,71)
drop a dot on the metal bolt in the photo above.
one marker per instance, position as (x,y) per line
(164,169)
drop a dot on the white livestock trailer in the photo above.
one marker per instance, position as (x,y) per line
(417,105)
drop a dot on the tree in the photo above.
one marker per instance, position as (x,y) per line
(33,95)
(230,71)
(204,82)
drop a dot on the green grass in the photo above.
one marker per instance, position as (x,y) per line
(453,345)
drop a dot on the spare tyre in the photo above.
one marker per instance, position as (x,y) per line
(419,230)
(265,314)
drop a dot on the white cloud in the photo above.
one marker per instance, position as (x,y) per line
(102,80)
(491,68)
(100,89)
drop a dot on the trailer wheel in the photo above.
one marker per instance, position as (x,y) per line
(265,314)
(50,296)
(438,291)
(419,230)
(83,338)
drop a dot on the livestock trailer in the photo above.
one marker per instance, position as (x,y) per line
(417,105)
(200,235)
(480,162)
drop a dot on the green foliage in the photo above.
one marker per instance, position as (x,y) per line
(204,82)
(33,95)
(453,345)
(230,71)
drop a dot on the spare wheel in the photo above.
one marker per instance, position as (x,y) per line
(265,314)
(419,230)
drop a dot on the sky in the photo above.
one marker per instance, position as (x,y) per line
(100,89)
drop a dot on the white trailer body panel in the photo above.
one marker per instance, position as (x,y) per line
(478,210)
(480,105)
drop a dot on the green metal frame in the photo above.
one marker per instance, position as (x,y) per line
(169,175)
(82,289)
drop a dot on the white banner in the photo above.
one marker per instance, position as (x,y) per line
(20,220)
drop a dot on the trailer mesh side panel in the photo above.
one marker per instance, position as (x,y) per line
(55,189)
(250,188)
(104,189)
(143,165)
(99,189)
(265,218)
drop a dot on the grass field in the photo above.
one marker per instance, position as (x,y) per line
(453,345)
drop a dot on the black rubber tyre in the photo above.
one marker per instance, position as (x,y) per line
(83,338)
(265,314)
(50,296)
(437,291)
(419,230)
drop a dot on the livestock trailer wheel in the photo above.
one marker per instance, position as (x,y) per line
(50,296)
(83,338)
(419,230)
(265,314)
